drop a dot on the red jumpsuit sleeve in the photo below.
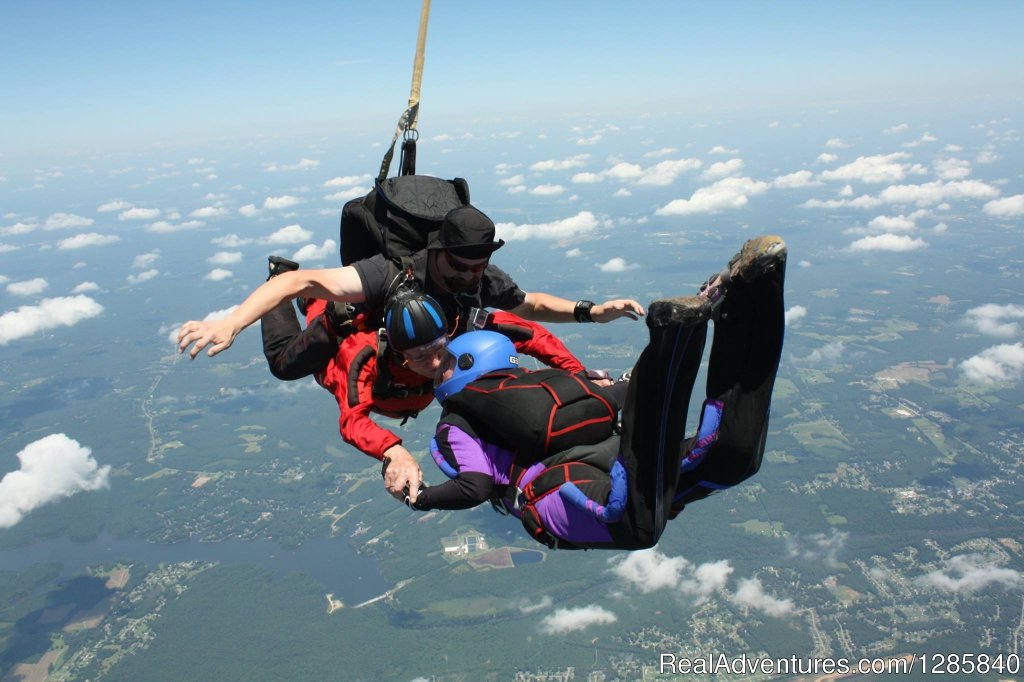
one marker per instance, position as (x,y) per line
(535,340)
(354,422)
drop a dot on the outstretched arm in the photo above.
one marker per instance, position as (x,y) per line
(533,339)
(543,307)
(338,284)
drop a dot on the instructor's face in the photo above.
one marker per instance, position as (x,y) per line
(459,275)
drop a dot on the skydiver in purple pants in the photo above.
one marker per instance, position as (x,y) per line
(543,447)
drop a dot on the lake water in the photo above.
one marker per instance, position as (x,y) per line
(333,562)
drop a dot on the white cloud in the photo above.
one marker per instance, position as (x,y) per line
(348,180)
(720,149)
(722,169)
(581,223)
(285,201)
(993,320)
(209,212)
(62,221)
(825,157)
(1007,207)
(218,274)
(730,193)
(49,314)
(863,201)
(162,226)
(347,194)
(649,571)
(795,180)
(927,137)
(665,172)
(900,128)
(143,276)
(931,193)
(818,548)
(5,248)
(656,153)
(1002,364)
(659,175)
(303,164)
(144,260)
(80,241)
(970,573)
(19,228)
(952,169)
(232,241)
(880,168)
(830,352)
(290,234)
(86,288)
(837,143)
(617,265)
(900,223)
(795,314)
(139,214)
(30,287)
(248,211)
(312,252)
(51,468)
(573,253)
(560,164)
(888,242)
(750,593)
(527,608)
(986,156)
(547,190)
(517,179)
(571,620)
(225,258)
(116,205)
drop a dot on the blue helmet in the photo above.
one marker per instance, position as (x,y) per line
(413,319)
(474,354)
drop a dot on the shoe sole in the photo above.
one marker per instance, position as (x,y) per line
(757,257)
(687,311)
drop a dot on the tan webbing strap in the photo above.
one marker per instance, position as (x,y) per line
(407,121)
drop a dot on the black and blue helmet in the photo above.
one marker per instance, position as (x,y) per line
(472,355)
(412,319)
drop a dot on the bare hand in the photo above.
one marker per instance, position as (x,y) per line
(613,310)
(217,334)
(403,473)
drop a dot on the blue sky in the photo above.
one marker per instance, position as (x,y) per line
(115,75)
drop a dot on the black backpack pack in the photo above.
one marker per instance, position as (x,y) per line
(533,413)
(397,216)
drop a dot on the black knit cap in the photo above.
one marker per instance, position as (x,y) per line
(467,232)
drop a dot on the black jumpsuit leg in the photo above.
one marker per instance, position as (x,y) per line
(293,352)
(744,360)
(653,425)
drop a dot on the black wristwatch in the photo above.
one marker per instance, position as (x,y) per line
(582,311)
